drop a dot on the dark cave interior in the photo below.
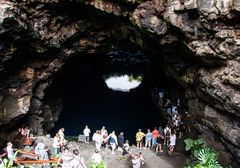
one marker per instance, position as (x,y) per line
(88,101)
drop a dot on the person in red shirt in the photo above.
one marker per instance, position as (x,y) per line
(154,136)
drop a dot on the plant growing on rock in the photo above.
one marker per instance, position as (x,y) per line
(204,157)
(207,158)
(194,145)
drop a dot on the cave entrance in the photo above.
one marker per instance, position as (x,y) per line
(87,100)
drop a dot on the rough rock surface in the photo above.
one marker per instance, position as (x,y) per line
(198,42)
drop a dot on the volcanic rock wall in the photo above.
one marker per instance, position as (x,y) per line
(197,40)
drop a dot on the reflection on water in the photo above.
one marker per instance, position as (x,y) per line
(123,82)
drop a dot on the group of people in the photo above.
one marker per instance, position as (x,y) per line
(71,159)
(156,139)
(102,139)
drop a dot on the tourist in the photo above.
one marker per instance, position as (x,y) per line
(139,138)
(154,136)
(174,111)
(67,158)
(182,129)
(96,157)
(121,140)
(148,139)
(167,133)
(161,96)
(172,143)
(126,148)
(56,144)
(40,149)
(136,161)
(78,161)
(168,107)
(159,141)
(10,152)
(112,138)
(24,131)
(160,130)
(104,134)
(61,138)
(86,133)
(140,155)
(46,157)
(97,138)
(189,122)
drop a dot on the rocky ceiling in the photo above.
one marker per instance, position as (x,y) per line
(197,41)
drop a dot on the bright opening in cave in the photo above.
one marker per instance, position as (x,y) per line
(123,82)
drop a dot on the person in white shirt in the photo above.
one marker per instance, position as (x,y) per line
(78,161)
(172,143)
(104,134)
(56,144)
(97,138)
(136,161)
(96,157)
(39,149)
(86,133)
(112,138)
(10,152)
(62,138)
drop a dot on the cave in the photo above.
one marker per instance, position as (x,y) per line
(56,58)
(87,100)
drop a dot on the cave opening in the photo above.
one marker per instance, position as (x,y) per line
(87,100)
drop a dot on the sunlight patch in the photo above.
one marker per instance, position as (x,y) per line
(123,82)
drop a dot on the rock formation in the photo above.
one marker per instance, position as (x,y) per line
(198,42)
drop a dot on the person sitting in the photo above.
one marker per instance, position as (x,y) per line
(46,157)
(126,148)
(24,131)
(40,150)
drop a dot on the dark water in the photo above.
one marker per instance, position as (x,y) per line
(88,101)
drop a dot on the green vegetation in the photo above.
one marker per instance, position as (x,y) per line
(95,165)
(203,157)
(9,163)
(194,145)
(135,77)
